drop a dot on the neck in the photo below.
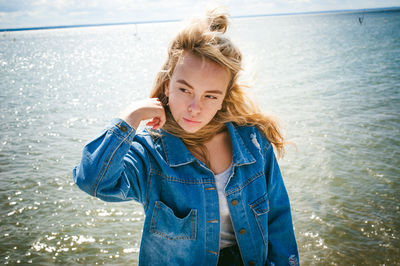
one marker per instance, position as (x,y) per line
(203,151)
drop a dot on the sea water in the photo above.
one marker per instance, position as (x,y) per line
(333,82)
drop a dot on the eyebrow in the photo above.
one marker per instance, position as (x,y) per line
(182,81)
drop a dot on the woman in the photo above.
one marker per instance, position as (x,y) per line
(205,172)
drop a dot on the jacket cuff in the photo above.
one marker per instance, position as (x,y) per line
(122,129)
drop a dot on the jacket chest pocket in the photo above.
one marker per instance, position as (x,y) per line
(166,224)
(260,208)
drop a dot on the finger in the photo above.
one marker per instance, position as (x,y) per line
(152,122)
(156,122)
(162,120)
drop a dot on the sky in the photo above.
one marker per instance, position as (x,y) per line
(41,13)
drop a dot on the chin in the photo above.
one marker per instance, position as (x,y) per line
(191,130)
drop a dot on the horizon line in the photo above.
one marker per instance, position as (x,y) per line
(392,8)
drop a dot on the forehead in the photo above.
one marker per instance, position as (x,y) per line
(201,69)
(188,59)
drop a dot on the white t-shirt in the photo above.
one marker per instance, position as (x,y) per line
(227,237)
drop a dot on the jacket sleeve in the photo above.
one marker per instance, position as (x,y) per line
(113,167)
(282,248)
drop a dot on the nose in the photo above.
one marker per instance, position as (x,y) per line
(194,106)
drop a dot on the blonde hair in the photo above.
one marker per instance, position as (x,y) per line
(205,38)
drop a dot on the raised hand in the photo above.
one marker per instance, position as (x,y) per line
(151,108)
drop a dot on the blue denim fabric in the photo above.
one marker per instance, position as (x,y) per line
(180,198)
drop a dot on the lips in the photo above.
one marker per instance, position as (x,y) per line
(191,121)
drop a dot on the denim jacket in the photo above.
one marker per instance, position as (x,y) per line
(180,199)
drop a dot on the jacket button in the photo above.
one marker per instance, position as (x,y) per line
(234,202)
(124,128)
(242,231)
(252,263)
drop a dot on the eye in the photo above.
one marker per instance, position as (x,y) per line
(211,97)
(183,90)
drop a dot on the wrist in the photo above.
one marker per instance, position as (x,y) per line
(132,119)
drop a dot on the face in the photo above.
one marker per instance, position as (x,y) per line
(196,91)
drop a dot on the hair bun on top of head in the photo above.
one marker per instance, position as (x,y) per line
(217,20)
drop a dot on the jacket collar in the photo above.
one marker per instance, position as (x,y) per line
(177,154)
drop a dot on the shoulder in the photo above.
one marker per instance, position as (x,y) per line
(151,141)
(253,135)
